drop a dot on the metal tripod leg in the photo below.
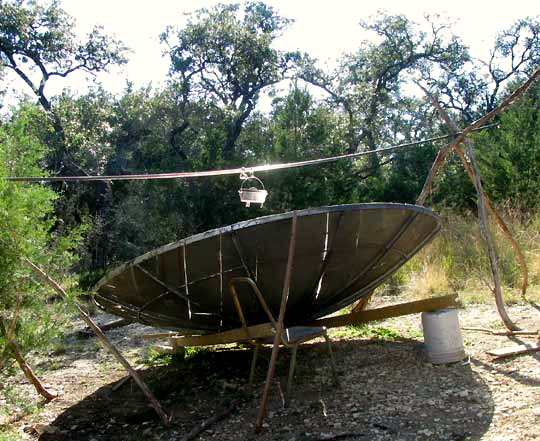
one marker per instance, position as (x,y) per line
(253,364)
(292,366)
(279,325)
(332,361)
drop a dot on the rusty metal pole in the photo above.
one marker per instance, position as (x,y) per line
(105,341)
(279,326)
(482,218)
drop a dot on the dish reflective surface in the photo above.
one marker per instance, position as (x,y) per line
(342,253)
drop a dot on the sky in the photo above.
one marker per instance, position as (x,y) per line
(324,29)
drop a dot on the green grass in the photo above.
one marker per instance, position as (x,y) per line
(7,434)
(17,401)
(415,333)
(182,354)
(366,331)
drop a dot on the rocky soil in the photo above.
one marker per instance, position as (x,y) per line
(389,390)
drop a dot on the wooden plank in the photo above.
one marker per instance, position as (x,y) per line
(169,334)
(158,335)
(370,315)
(266,329)
(515,350)
(232,336)
(87,332)
(164,349)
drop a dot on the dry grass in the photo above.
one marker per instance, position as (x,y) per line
(456,261)
(431,281)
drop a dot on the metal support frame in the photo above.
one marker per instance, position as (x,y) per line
(292,366)
(329,251)
(279,329)
(381,254)
(293,343)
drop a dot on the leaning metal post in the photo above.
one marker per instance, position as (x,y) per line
(105,341)
(484,228)
(279,327)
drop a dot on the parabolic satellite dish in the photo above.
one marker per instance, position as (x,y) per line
(343,252)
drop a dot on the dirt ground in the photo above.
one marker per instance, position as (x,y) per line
(389,390)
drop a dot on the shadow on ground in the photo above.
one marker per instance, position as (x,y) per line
(388,391)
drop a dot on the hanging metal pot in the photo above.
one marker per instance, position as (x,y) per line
(252,195)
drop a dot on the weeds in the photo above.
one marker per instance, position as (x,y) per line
(456,261)
(16,401)
(157,358)
(415,333)
(7,434)
(367,331)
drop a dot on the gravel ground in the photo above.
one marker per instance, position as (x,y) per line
(389,390)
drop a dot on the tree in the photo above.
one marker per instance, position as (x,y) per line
(476,86)
(368,84)
(509,156)
(26,222)
(38,43)
(224,57)
(301,129)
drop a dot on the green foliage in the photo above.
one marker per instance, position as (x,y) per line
(510,155)
(9,435)
(365,330)
(155,357)
(367,85)
(25,210)
(222,61)
(180,357)
(508,158)
(29,230)
(224,57)
(34,35)
(302,130)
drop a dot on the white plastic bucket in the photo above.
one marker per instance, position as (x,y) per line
(442,336)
